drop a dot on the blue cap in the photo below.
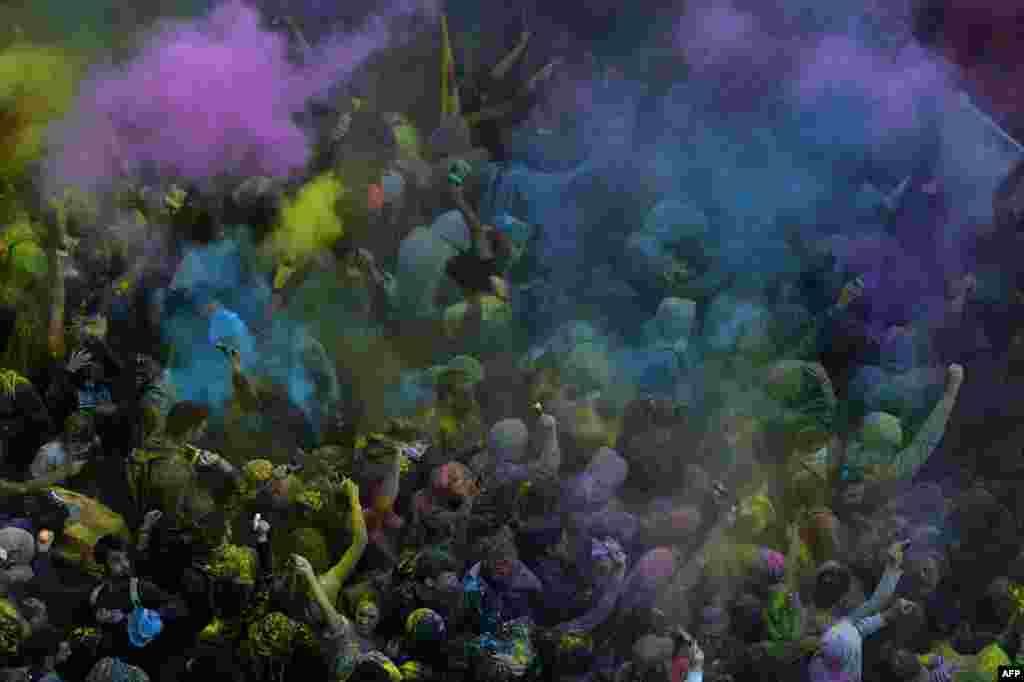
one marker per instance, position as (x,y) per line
(143,626)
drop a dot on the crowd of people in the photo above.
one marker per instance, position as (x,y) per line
(214,466)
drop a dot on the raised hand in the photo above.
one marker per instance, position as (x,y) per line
(79,360)
(44,540)
(894,555)
(350,489)
(108,617)
(302,566)
(955,376)
(851,292)
(152,518)
(261,527)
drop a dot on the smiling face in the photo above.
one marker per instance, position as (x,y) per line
(367,618)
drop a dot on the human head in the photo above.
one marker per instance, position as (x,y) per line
(540,499)
(898,349)
(205,302)
(771,566)
(498,552)
(902,663)
(79,433)
(755,514)
(367,614)
(425,628)
(924,571)
(187,421)
(574,653)
(508,440)
(748,616)
(437,569)
(714,622)
(831,584)
(455,479)
(115,670)
(823,535)
(35,611)
(880,432)
(839,645)
(1001,599)
(14,629)
(18,550)
(652,655)
(606,554)
(609,471)
(111,552)
(257,203)
(851,486)
(147,370)
(375,667)
(47,648)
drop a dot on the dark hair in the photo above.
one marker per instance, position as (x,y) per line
(42,643)
(369,671)
(827,593)
(107,544)
(185,416)
(371,132)
(541,498)
(212,663)
(747,618)
(8,321)
(432,564)
(46,512)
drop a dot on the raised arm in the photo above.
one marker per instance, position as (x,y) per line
(689,575)
(246,394)
(604,608)
(792,579)
(332,581)
(910,460)
(477,231)
(9,489)
(806,345)
(335,621)
(886,586)
(300,39)
(549,455)
(55,261)
(502,68)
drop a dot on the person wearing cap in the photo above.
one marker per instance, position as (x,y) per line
(130,611)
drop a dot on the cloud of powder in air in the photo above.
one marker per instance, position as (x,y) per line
(206,99)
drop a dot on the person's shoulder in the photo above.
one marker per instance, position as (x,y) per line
(51,448)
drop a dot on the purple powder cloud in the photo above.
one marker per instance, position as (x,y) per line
(750,52)
(895,85)
(207,98)
(710,35)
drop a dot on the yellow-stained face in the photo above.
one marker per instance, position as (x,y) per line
(367,618)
